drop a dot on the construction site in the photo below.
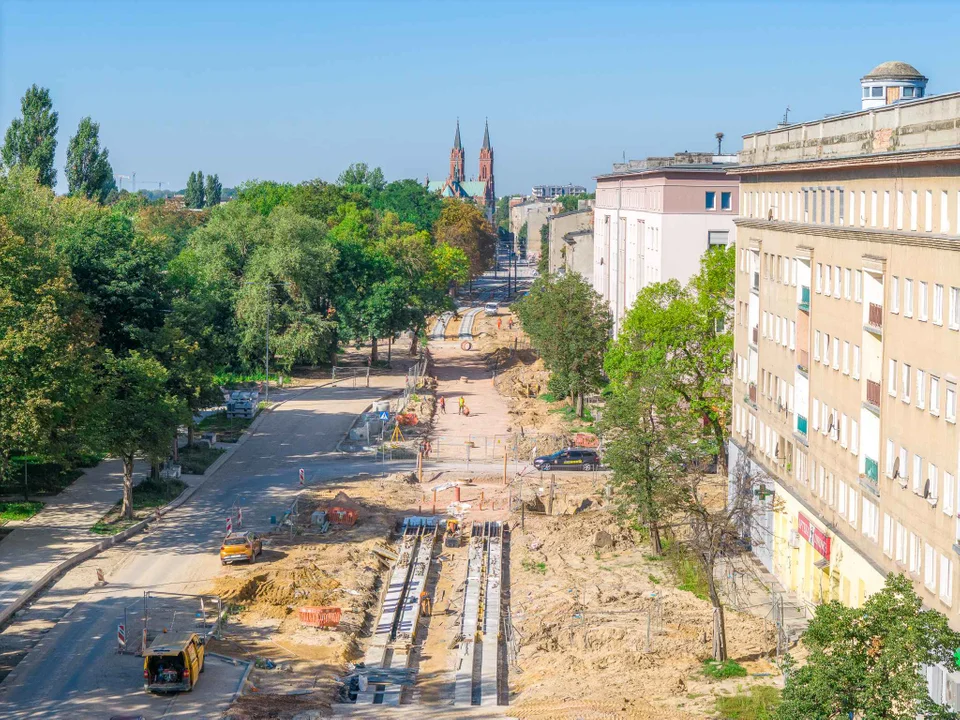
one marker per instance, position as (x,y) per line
(493,591)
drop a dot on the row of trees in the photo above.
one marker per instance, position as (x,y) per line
(200,194)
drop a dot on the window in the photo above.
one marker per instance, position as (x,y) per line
(950,406)
(846,283)
(793,334)
(717,238)
(914,208)
(901,533)
(876,91)
(863,208)
(819,278)
(908,92)
(954,308)
(815,416)
(816,345)
(826,280)
(836,287)
(905,383)
(938,304)
(886,208)
(836,353)
(904,470)
(907,297)
(856,362)
(928,211)
(888,458)
(933,475)
(915,553)
(854,437)
(826,349)
(944,216)
(871,521)
(894,294)
(887,532)
(934,395)
(921,388)
(873,208)
(725,203)
(923,301)
(949,493)
(946,579)
(852,507)
(842,498)
(892,377)
(711,200)
(899,209)
(843,430)
(846,357)
(929,567)
(917,474)
(858,285)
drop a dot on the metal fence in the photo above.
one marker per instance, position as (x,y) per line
(414,376)
(162,612)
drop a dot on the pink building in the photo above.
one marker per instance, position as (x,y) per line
(655,218)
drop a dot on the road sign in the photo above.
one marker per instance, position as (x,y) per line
(121,635)
(384,415)
(301,476)
(229,525)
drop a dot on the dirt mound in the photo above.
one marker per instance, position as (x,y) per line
(278,592)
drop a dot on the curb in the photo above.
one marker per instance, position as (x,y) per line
(66,565)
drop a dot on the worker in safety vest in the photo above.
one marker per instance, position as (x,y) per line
(462,404)
(426,605)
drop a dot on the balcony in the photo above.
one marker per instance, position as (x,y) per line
(875,317)
(871,468)
(803,361)
(873,393)
(752,394)
(802,425)
(804,303)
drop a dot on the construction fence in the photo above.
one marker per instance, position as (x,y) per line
(156,613)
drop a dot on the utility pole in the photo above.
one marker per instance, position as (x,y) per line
(266,357)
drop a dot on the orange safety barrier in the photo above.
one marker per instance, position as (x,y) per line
(342,516)
(320,617)
(408,419)
(586,440)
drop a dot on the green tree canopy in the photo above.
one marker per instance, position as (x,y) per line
(572,202)
(868,662)
(462,225)
(361,179)
(31,139)
(569,324)
(264,195)
(411,202)
(212,191)
(194,196)
(89,173)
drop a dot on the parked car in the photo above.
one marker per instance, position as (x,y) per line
(569,459)
(173,662)
(491,308)
(240,547)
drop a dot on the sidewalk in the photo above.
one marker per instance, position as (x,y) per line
(60,530)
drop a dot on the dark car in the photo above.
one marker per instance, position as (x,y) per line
(569,459)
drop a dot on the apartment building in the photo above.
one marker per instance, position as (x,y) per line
(551,192)
(655,218)
(847,347)
(570,240)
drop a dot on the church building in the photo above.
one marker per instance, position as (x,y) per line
(456,185)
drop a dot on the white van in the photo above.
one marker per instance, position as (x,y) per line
(491,308)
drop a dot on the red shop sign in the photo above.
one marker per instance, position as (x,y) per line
(813,535)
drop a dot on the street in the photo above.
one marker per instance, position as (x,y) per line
(75,671)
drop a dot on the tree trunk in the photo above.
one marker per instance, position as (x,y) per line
(719,621)
(415,341)
(154,470)
(656,544)
(389,349)
(721,447)
(190,435)
(374,355)
(579,404)
(127,509)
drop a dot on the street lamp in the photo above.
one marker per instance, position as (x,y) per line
(266,356)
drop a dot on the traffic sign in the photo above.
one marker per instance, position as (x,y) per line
(301,476)
(384,415)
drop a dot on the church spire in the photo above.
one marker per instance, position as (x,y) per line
(486,135)
(456,139)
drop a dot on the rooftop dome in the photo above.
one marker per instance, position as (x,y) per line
(894,69)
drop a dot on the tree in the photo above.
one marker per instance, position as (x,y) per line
(194,195)
(138,414)
(868,662)
(688,331)
(31,140)
(462,225)
(522,240)
(411,202)
(543,264)
(264,196)
(569,203)
(501,217)
(213,190)
(47,351)
(88,168)
(569,324)
(361,179)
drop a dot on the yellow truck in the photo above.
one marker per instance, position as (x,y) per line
(173,662)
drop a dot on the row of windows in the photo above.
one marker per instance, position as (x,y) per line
(925,307)
(840,428)
(837,206)
(910,551)
(876,91)
(843,282)
(780,330)
(710,200)
(899,464)
(927,387)
(841,351)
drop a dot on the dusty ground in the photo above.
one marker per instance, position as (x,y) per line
(580,606)
(334,569)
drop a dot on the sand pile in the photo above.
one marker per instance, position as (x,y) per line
(582,590)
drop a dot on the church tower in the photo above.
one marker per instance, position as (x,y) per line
(456,159)
(486,168)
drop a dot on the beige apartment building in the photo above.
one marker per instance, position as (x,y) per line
(847,350)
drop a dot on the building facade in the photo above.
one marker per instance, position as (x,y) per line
(481,191)
(549,192)
(570,240)
(846,340)
(533,214)
(654,219)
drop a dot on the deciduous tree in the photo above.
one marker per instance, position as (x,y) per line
(411,202)
(89,173)
(31,139)
(869,662)
(569,324)
(462,225)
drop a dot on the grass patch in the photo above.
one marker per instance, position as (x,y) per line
(550,397)
(228,378)
(687,571)
(197,459)
(147,495)
(19,510)
(654,579)
(723,670)
(537,567)
(227,429)
(760,703)
(569,414)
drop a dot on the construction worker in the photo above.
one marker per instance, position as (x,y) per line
(443,405)
(426,605)
(499,323)
(462,404)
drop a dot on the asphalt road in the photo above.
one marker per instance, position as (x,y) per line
(75,670)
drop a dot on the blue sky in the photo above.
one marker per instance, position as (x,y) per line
(296,90)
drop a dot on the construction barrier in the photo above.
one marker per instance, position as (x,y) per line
(319,617)
(342,516)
